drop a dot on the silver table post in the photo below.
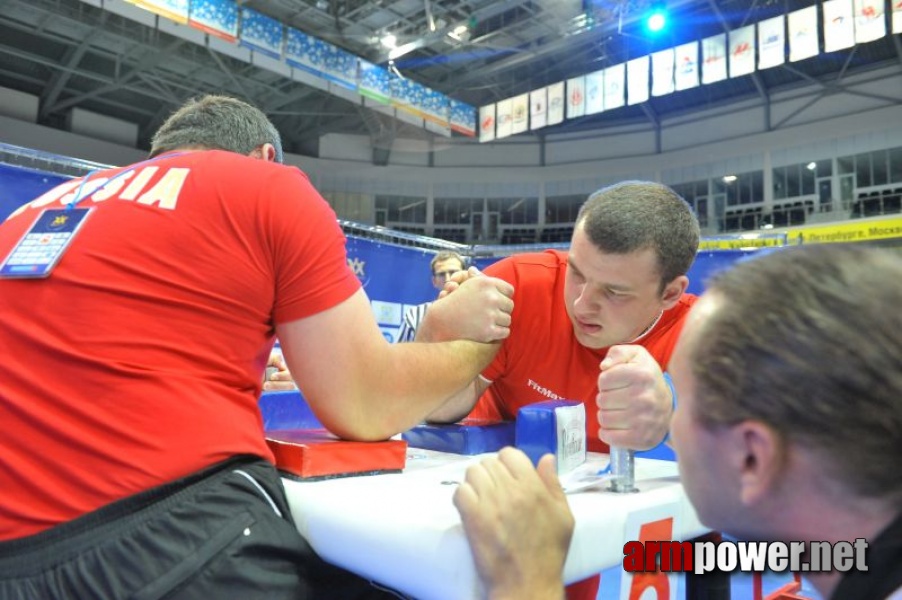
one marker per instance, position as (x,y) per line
(623,469)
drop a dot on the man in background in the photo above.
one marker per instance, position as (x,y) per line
(788,426)
(139,469)
(443,266)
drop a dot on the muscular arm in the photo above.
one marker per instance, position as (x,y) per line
(360,386)
(459,405)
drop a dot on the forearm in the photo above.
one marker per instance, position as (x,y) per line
(408,383)
(459,405)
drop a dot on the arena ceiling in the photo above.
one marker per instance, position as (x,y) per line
(72,53)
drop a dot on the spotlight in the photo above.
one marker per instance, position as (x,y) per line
(656,18)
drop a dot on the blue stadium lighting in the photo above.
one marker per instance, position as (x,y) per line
(656,19)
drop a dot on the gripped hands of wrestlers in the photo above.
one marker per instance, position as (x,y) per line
(518,524)
(634,401)
(478,309)
(457,279)
(277,378)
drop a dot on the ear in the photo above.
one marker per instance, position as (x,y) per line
(673,291)
(265,152)
(760,459)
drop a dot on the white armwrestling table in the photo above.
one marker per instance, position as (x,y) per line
(402,529)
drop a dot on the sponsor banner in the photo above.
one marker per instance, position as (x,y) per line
(261,33)
(216,17)
(595,92)
(556,103)
(803,34)
(504,119)
(714,58)
(520,116)
(771,42)
(614,86)
(487,123)
(373,81)
(538,108)
(870,20)
(686,66)
(864,231)
(174,10)
(839,25)
(637,80)
(463,118)
(662,64)
(576,97)
(305,52)
(742,51)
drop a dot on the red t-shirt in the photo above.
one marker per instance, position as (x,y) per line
(542,359)
(139,359)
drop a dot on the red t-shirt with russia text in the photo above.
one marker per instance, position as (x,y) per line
(542,359)
(139,359)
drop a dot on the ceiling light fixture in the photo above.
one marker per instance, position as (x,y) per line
(389,41)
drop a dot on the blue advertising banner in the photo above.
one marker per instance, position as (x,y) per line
(261,33)
(374,82)
(463,118)
(340,66)
(19,185)
(394,278)
(216,17)
(305,52)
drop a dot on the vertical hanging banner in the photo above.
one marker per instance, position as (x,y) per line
(637,80)
(897,16)
(614,86)
(742,51)
(305,52)
(487,123)
(174,10)
(839,25)
(373,81)
(520,122)
(714,58)
(463,118)
(503,118)
(556,103)
(662,63)
(261,33)
(340,66)
(771,42)
(870,20)
(576,97)
(803,33)
(686,67)
(595,92)
(216,17)
(538,108)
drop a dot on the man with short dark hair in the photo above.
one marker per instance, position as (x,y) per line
(597,323)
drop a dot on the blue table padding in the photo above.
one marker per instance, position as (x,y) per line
(286,410)
(470,436)
(537,430)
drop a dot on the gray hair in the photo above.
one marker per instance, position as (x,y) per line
(635,215)
(809,341)
(216,123)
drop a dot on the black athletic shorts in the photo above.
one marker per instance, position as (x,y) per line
(220,534)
